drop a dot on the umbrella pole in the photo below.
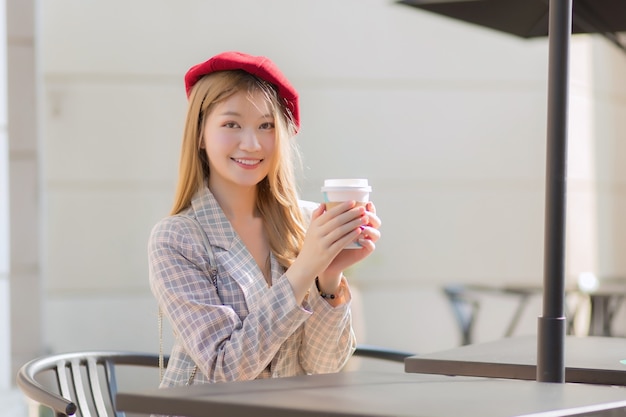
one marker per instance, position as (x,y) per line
(551,332)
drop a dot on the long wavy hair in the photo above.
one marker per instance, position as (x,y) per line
(277,197)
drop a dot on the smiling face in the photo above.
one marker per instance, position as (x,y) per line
(239,140)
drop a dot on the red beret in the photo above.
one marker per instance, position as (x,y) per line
(258,66)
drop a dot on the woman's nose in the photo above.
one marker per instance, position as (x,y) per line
(249,141)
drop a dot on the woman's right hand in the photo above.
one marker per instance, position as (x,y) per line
(329,232)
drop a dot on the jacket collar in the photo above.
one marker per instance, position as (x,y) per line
(220,233)
(212,218)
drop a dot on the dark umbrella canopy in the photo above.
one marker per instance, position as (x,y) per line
(529,18)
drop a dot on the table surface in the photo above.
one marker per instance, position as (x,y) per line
(379,394)
(592,360)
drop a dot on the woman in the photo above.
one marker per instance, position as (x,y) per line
(278,304)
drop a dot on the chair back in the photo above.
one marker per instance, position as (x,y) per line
(81,383)
(382,353)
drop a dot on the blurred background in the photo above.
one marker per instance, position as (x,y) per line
(447,121)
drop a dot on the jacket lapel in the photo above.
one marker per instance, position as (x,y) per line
(234,255)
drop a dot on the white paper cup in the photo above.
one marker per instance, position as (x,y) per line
(336,191)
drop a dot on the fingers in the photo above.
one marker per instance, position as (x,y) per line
(332,228)
(367,244)
(341,218)
(342,213)
(318,211)
(344,229)
(374,220)
(370,233)
(337,226)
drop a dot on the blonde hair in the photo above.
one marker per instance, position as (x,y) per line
(277,199)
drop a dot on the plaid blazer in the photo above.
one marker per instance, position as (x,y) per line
(238,329)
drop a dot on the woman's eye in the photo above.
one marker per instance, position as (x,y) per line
(230,124)
(266,126)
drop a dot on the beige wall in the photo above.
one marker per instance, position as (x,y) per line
(24,194)
(5,326)
(447,120)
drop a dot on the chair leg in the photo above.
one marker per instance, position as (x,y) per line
(465,310)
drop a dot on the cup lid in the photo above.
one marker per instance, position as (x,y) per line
(346,183)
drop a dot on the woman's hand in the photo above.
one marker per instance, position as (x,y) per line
(323,252)
(367,238)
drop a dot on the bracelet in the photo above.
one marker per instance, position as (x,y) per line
(328,296)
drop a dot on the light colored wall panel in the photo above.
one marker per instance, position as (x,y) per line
(609,115)
(426,134)
(583,246)
(611,231)
(27,314)
(608,65)
(97,238)
(344,39)
(405,317)
(609,135)
(5,294)
(21,24)
(4,50)
(25,221)
(457,233)
(581,229)
(102,321)
(24,199)
(5,333)
(22,93)
(5,237)
(619,243)
(112,132)
(609,131)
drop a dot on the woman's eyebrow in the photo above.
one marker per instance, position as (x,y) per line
(234,113)
(230,113)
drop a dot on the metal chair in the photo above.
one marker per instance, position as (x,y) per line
(85,383)
(466,300)
(465,308)
(382,353)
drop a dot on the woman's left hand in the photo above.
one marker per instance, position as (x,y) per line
(368,238)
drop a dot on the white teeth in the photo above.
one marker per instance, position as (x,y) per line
(247,161)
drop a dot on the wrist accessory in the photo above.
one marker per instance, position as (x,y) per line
(329,296)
